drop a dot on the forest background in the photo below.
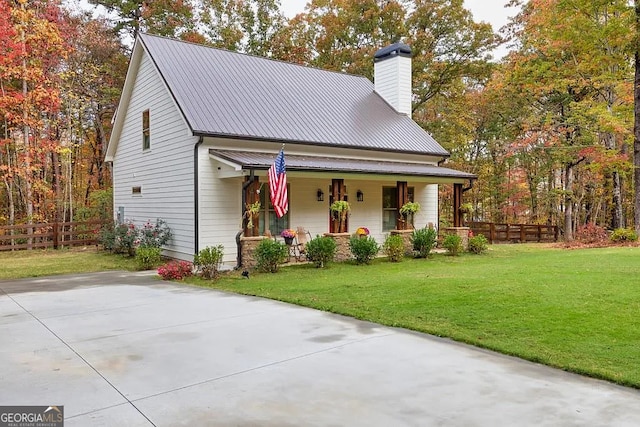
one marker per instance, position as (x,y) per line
(548,129)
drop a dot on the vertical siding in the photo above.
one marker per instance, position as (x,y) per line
(165,172)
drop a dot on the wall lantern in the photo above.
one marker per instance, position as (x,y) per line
(359,196)
(320,196)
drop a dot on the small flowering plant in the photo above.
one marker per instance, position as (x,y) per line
(176,270)
(362,231)
(288,233)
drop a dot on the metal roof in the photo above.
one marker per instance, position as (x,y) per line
(259,160)
(394,49)
(224,93)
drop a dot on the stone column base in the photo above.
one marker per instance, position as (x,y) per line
(406,238)
(343,253)
(248,248)
(463,232)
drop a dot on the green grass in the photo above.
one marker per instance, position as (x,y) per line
(578,310)
(36,263)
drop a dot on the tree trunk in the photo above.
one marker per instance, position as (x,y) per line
(568,202)
(617,220)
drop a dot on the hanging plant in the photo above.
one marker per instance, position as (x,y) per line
(253,209)
(410,208)
(341,209)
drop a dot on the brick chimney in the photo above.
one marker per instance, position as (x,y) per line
(392,76)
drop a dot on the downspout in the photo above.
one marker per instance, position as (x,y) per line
(245,185)
(196,218)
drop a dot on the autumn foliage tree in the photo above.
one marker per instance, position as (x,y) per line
(29,105)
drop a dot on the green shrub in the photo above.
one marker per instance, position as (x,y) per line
(208,261)
(155,235)
(453,244)
(394,248)
(148,258)
(478,244)
(321,250)
(620,235)
(125,238)
(270,254)
(364,249)
(423,241)
(107,237)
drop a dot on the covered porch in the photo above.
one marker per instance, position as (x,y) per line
(375,191)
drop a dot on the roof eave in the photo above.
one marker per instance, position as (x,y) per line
(443,155)
(125,98)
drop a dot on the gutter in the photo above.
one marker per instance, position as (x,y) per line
(196,196)
(245,185)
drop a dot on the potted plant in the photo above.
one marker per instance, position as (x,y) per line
(341,209)
(407,212)
(288,235)
(362,232)
(466,208)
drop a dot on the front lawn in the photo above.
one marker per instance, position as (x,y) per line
(577,310)
(36,263)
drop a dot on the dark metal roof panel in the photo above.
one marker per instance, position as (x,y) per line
(259,160)
(394,49)
(223,93)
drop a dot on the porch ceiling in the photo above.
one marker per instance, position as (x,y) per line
(262,161)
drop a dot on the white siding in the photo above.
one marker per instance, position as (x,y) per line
(220,207)
(392,79)
(165,172)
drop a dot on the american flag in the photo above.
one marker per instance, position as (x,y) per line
(278,185)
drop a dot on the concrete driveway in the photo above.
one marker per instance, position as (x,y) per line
(125,349)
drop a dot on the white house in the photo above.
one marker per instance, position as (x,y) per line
(197,129)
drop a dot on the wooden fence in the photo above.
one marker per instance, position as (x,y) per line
(49,235)
(515,233)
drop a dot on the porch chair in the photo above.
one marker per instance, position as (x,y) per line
(303,237)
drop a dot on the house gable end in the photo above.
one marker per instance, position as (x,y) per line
(137,55)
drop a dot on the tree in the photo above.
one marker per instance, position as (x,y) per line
(572,65)
(636,128)
(91,83)
(243,26)
(30,101)
(172,18)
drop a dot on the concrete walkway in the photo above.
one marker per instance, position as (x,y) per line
(125,349)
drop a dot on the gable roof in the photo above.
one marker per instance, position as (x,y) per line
(228,94)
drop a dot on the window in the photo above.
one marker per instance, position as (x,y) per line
(390,208)
(136,191)
(268,218)
(146,134)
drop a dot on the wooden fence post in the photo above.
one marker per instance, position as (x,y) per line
(55,235)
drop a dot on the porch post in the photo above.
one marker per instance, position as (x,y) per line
(337,194)
(457,202)
(250,196)
(403,197)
